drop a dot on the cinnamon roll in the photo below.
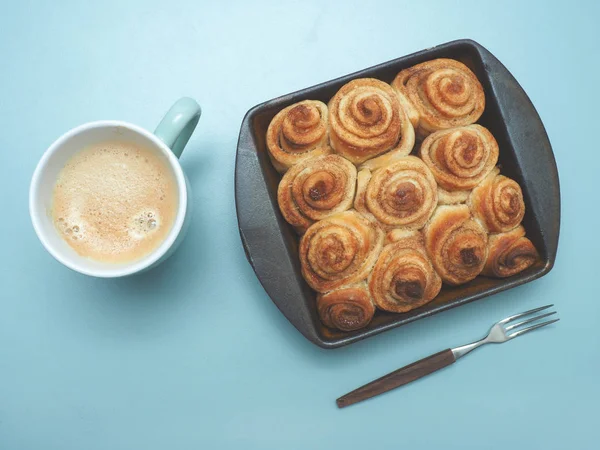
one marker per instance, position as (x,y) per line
(403,277)
(439,94)
(298,132)
(509,254)
(339,250)
(315,189)
(498,203)
(367,123)
(401,195)
(460,158)
(347,309)
(456,244)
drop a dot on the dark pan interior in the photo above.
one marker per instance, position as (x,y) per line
(534,169)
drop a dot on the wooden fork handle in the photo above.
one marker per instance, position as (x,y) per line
(398,378)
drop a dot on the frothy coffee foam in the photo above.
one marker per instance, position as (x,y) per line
(115,202)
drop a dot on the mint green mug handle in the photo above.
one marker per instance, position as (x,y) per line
(178,124)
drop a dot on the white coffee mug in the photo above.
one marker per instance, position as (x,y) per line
(169,139)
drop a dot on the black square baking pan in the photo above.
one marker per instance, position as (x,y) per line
(271,244)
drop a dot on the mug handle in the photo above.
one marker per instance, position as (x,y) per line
(178,124)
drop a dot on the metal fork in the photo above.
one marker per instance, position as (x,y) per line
(498,334)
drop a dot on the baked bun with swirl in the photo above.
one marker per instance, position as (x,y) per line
(440,94)
(460,158)
(340,250)
(498,203)
(367,124)
(456,244)
(348,308)
(298,132)
(509,254)
(400,195)
(315,189)
(403,277)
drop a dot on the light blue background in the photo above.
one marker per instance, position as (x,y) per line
(194,354)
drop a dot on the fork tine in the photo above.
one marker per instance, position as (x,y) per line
(531,311)
(531,328)
(533,319)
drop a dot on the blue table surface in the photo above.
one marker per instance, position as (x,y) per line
(193,354)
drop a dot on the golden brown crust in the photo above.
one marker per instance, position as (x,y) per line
(456,244)
(440,94)
(298,132)
(360,200)
(498,203)
(460,158)
(452,197)
(509,254)
(347,309)
(339,250)
(366,122)
(401,195)
(315,189)
(403,277)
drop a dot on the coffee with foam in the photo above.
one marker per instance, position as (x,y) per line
(115,202)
